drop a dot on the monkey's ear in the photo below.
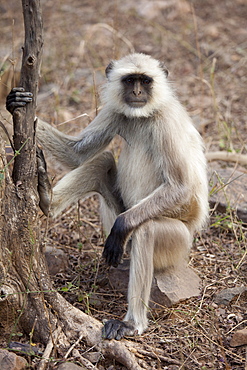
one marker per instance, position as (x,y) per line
(109,68)
(164,68)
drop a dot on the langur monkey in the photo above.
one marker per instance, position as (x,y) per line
(156,196)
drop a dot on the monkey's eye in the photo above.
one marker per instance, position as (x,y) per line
(146,81)
(129,80)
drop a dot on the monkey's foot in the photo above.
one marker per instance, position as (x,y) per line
(116,329)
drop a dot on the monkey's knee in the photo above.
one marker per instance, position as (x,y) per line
(173,241)
(99,171)
(102,174)
(90,178)
(103,160)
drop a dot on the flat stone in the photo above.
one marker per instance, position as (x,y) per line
(239,338)
(10,361)
(175,285)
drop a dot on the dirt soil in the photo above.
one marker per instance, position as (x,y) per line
(203,44)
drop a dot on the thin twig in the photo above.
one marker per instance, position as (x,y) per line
(47,353)
(73,345)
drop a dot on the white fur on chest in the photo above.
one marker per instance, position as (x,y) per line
(136,174)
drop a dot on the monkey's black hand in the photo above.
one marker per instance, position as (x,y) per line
(116,329)
(18,98)
(114,244)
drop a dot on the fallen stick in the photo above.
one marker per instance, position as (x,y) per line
(227,157)
(46,355)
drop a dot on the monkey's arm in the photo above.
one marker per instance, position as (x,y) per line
(70,151)
(164,201)
(73,151)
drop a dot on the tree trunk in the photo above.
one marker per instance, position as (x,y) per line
(20,250)
(28,301)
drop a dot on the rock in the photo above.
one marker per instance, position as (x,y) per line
(93,357)
(232,190)
(70,366)
(56,259)
(239,338)
(227,295)
(168,288)
(10,361)
(175,285)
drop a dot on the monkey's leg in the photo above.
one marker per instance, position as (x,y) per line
(157,244)
(141,273)
(95,176)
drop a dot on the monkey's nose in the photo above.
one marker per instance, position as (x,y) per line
(137,92)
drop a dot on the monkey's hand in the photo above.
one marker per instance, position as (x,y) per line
(18,98)
(114,245)
(116,329)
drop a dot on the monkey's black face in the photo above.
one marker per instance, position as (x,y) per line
(137,89)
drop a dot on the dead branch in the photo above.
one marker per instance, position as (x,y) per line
(227,157)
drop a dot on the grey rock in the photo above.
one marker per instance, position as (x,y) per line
(175,285)
(10,361)
(93,357)
(227,295)
(56,259)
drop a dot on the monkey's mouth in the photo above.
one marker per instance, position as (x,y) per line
(137,103)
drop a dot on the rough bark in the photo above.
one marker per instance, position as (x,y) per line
(28,301)
(23,266)
(24,130)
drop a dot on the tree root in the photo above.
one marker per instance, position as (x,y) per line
(152,353)
(74,326)
(83,360)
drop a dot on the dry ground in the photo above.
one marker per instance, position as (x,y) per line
(204,45)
